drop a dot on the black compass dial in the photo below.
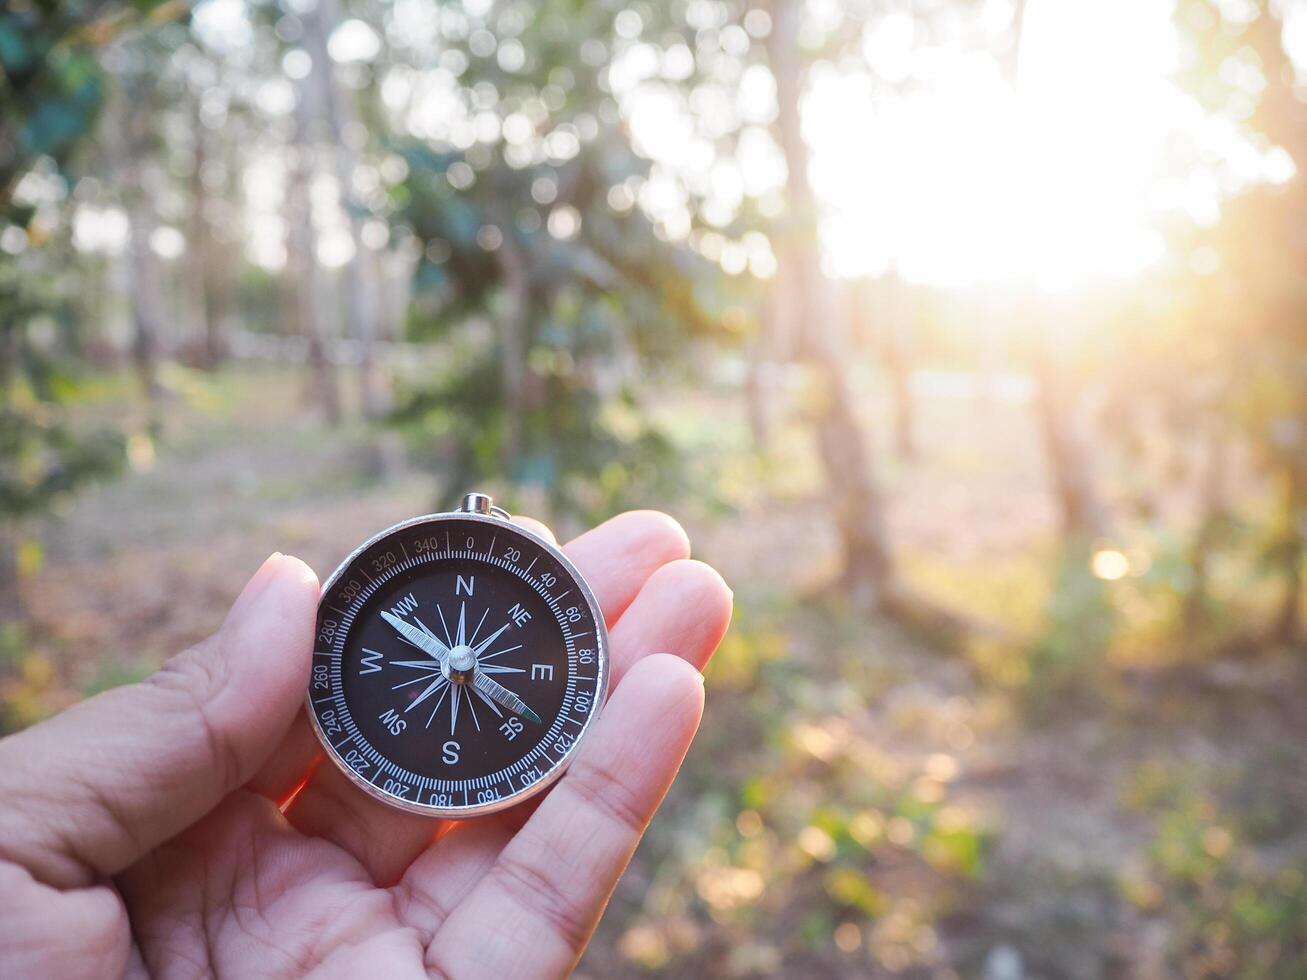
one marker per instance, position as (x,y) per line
(459,661)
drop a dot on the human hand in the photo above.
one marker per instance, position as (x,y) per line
(142,831)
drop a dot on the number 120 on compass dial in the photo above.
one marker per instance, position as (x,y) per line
(459,662)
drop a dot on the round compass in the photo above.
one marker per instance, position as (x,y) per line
(459,662)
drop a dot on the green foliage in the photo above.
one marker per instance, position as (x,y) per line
(1237,911)
(45,456)
(50,96)
(1068,658)
(53,83)
(561,307)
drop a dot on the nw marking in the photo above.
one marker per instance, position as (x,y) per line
(405,606)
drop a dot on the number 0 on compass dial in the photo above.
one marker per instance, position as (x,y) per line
(459,662)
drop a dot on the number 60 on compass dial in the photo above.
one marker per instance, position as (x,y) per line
(459,661)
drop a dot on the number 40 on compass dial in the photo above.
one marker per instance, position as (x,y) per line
(459,662)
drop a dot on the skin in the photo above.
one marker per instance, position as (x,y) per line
(184,826)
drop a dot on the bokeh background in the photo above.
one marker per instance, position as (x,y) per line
(968,338)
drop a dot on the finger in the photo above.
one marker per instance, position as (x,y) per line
(89,791)
(290,764)
(300,753)
(536,527)
(616,558)
(533,914)
(47,932)
(685,606)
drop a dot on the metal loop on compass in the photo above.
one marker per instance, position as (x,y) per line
(483,503)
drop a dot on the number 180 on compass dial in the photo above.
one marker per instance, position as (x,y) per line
(459,661)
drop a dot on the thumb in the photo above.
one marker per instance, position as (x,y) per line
(86,793)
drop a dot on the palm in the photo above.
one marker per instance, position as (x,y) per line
(283,904)
(259,864)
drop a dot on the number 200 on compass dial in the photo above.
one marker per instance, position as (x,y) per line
(459,662)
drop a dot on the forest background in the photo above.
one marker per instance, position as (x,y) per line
(968,338)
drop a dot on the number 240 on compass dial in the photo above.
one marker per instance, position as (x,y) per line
(459,662)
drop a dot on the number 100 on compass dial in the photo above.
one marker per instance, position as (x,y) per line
(459,662)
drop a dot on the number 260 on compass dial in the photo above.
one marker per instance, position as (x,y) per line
(459,661)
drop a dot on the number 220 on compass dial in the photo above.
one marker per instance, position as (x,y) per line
(459,662)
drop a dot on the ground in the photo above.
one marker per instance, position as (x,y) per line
(860,801)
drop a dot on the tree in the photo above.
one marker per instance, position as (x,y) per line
(1262,252)
(843,442)
(51,95)
(532,231)
(336,134)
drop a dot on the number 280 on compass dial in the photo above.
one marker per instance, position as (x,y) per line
(459,662)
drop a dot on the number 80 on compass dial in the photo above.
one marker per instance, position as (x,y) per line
(459,662)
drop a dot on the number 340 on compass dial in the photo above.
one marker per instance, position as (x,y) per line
(459,662)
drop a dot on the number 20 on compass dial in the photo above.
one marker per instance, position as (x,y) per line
(459,662)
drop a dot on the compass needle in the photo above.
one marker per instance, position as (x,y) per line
(399,686)
(486,698)
(482,682)
(417,637)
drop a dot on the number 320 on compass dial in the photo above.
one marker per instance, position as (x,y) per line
(459,661)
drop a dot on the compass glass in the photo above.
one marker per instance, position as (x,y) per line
(459,661)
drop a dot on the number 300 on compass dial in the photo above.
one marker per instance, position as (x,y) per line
(459,662)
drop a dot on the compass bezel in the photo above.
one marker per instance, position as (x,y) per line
(469,811)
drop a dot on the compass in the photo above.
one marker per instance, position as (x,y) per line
(459,662)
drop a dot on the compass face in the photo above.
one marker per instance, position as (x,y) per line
(459,661)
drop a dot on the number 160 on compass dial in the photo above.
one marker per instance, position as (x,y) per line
(459,662)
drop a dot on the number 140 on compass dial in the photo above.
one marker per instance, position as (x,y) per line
(459,661)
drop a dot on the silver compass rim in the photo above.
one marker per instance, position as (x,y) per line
(601,686)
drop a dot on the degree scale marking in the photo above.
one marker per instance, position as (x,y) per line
(549,741)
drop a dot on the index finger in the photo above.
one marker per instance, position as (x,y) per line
(533,914)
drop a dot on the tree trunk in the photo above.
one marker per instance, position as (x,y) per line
(144,282)
(208,258)
(1081,508)
(1082,511)
(340,118)
(899,368)
(124,132)
(1212,511)
(11,598)
(899,318)
(513,327)
(759,396)
(303,270)
(843,445)
(1288,621)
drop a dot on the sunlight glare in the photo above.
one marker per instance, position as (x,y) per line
(966,181)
